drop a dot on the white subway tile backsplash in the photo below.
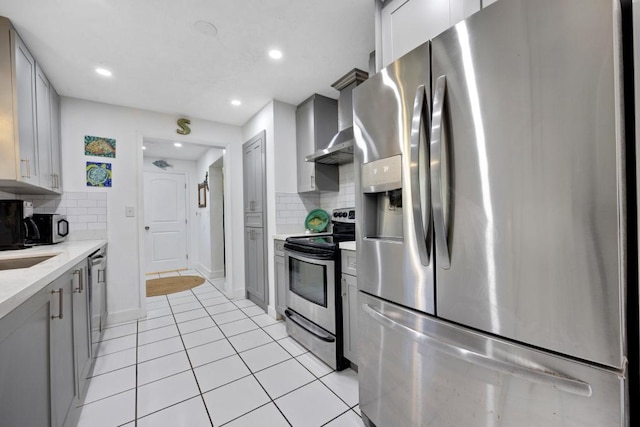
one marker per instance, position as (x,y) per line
(292,208)
(87,218)
(77,211)
(76,226)
(97,226)
(97,211)
(76,196)
(97,196)
(86,211)
(87,203)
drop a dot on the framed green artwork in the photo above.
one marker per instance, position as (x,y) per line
(98,174)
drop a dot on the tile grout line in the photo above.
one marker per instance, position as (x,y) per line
(193,372)
(226,337)
(247,366)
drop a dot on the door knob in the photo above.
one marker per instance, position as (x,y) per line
(146,227)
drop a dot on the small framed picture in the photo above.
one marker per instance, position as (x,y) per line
(99,146)
(98,174)
(202,195)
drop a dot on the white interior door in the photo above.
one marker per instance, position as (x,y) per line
(165,222)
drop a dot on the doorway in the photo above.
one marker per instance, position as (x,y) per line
(216,217)
(165,222)
(200,166)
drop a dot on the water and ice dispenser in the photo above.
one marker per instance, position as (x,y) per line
(382,199)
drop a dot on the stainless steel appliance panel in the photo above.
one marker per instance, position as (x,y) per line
(318,341)
(391,122)
(318,285)
(417,370)
(98,293)
(531,200)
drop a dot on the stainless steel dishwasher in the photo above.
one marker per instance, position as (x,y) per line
(98,292)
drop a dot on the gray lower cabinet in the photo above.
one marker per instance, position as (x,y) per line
(40,344)
(81,327)
(349,306)
(255,271)
(63,370)
(281,284)
(24,363)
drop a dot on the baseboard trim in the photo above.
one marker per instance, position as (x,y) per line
(217,274)
(202,269)
(271,311)
(125,316)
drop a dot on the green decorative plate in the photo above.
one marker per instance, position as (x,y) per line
(317,220)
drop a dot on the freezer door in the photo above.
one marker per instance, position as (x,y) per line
(416,370)
(393,229)
(527,178)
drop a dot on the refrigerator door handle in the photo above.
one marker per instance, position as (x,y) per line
(420,113)
(539,374)
(437,131)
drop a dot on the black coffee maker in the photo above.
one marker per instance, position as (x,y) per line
(17,228)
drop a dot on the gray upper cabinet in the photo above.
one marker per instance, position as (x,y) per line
(56,164)
(43,129)
(30,139)
(406,24)
(316,124)
(254,171)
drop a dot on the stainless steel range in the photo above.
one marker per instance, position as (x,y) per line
(314,305)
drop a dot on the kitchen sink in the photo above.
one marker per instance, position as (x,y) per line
(16,263)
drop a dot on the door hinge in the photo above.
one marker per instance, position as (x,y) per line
(187,255)
(185,221)
(185,186)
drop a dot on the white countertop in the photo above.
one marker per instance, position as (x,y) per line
(348,246)
(17,286)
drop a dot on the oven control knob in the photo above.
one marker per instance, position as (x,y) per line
(335,214)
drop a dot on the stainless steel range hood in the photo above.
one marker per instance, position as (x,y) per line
(340,148)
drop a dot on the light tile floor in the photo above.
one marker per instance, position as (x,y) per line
(200,359)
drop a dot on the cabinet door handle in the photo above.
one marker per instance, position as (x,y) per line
(80,287)
(60,299)
(312,182)
(27,168)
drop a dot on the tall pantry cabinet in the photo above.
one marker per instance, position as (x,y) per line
(30,131)
(255,220)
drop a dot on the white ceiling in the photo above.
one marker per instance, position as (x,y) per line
(158,148)
(160,62)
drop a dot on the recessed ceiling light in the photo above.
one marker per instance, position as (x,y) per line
(177,144)
(103,72)
(236,102)
(206,28)
(275,54)
(144,148)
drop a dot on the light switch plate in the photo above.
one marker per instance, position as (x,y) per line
(129,211)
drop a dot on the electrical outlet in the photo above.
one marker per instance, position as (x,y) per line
(129,211)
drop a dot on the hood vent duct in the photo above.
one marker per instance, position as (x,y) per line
(340,148)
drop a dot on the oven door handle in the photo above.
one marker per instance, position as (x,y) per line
(301,323)
(323,256)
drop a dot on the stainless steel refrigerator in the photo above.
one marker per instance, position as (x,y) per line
(492,245)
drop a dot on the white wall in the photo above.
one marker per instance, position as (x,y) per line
(205,243)
(190,170)
(216,222)
(128,126)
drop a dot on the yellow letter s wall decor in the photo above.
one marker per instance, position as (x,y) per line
(184,127)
